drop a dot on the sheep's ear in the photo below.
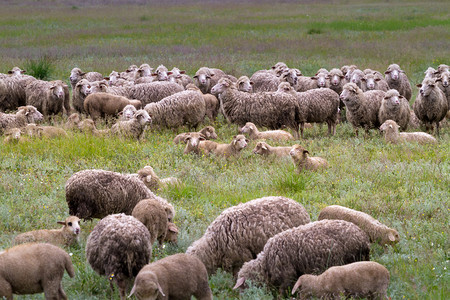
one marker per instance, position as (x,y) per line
(160,289)
(251,82)
(196,76)
(239,282)
(10,72)
(132,291)
(61,222)
(106,78)
(314,77)
(305,151)
(187,138)
(246,140)
(342,76)
(154,74)
(82,73)
(363,79)
(296,286)
(438,79)
(264,147)
(169,73)
(23,71)
(173,228)
(419,85)
(377,79)
(432,85)
(387,72)
(182,72)
(391,237)
(401,97)
(148,178)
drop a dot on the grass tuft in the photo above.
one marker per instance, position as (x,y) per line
(41,68)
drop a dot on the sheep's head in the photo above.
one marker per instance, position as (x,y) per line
(321,77)
(222,86)
(248,128)
(285,87)
(370,80)
(209,132)
(84,87)
(430,72)
(143,117)
(71,224)
(87,125)
(392,237)
(57,89)
(239,142)
(348,93)
(444,78)
(75,75)
(442,68)
(193,139)
(347,71)
(290,75)
(128,112)
(357,76)
(161,73)
(261,148)
(203,77)
(393,71)
(74,119)
(14,134)
(244,84)
(389,126)
(16,71)
(146,286)
(304,285)
(298,153)
(392,98)
(335,76)
(149,177)
(145,70)
(31,113)
(426,87)
(171,233)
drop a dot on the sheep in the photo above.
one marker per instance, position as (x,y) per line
(180,75)
(45,131)
(24,115)
(98,193)
(364,279)
(88,126)
(302,161)
(357,77)
(371,81)
(129,73)
(183,108)
(376,231)
(127,112)
(443,83)
(362,107)
(212,104)
(34,268)
(269,109)
(119,247)
(347,71)
(16,71)
(266,81)
(240,232)
(177,276)
(193,140)
(12,91)
(262,148)
(244,84)
(133,128)
(208,133)
(171,234)
(395,107)
(238,143)
(152,92)
(431,104)
(336,79)
(79,93)
(391,134)
(205,78)
(161,73)
(255,134)
(76,75)
(13,135)
(153,182)
(144,70)
(103,104)
(430,73)
(397,79)
(65,236)
(47,97)
(442,68)
(72,121)
(306,249)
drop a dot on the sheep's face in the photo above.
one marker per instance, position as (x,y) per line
(371,81)
(143,117)
(290,76)
(31,113)
(113,76)
(209,132)
(221,86)
(444,78)
(393,71)
(348,93)
(16,71)
(171,233)
(249,127)
(357,76)
(426,87)
(392,99)
(261,148)
(321,78)
(239,142)
(146,286)
(285,87)
(298,153)
(75,75)
(128,112)
(14,133)
(162,73)
(58,91)
(203,79)
(335,79)
(72,224)
(84,87)
(245,85)
(430,72)
(145,70)
(389,126)
(392,237)
(194,139)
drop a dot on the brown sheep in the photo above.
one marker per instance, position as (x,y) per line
(238,143)
(262,148)
(302,161)
(100,105)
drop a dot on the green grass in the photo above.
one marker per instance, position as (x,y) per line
(403,186)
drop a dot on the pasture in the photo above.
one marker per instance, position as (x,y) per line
(404,186)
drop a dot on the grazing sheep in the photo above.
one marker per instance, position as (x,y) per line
(152,92)
(395,107)
(24,115)
(193,140)
(268,109)
(98,193)
(431,104)
(262,148)
(302,161)
(238,143)
(101,105)
(255,134)
(371,81)
(397,79)
(177,276)
(171,234)
(65,236)
(240,232)
(376,231)
(306,249)
(47,96)
(336,79)
(76,75)
(362,107)
(119,247)
(72,121)
(183,108)
(133,128)
(34,268)
(208,133)
(127,112)
(205,78)
(212,104)
(391,134)
(244,84)
(152,213)
(364,279)
(180,75)
(12,91)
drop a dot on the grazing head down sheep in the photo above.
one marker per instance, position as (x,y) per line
(306,249)
(255,134)
(391,134)
(302,161)
(119,247)
(262,148)
(34,268)
(240,232)
(397,79)
(178,276)
(376,231)
(65,236)
(238,143)
(395,107)
(364,279)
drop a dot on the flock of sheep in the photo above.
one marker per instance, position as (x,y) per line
(270,240)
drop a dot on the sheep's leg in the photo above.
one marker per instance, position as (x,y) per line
(6,289)
(51,288)
(329,127)
(302,127)
(122,284)
(62,294)
(437,129)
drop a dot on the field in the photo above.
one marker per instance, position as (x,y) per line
(403,186)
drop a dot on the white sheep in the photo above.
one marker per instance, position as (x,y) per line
(262,148)
(76,75)
(391,134)
(395,107)
(238,143)
(302,161)
(133,128)
(255,134)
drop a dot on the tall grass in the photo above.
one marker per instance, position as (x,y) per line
(40,68)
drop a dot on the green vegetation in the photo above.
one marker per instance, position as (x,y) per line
(403,186)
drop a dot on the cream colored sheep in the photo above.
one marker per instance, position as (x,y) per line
(392,135)
(193,140)
(133,128)
(262,148)
(255,134)
(208,133)
(238,143)
(45,131)
(153,214)
(302,161)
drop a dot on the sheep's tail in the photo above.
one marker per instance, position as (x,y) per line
(69,267)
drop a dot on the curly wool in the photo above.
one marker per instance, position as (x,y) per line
(401,84)
(395,107)
(49,97)
(12,91)
(153,91)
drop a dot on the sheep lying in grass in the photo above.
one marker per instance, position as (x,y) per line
(24,115)
(65,236)
(34,268)
(193,140)
(391,134)
(133,128)
(262,148)
(13,136)
(255,134)
(397,79)
(376,231)
(302,161)
(178,276)
(208,133)
(238,143)
(364,279)
(49,132)
(240,232)
(395,107)
(88,126)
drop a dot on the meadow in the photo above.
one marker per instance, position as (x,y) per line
(404,186)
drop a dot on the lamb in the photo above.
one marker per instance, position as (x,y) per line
(152,181)
(205,78)
(101,105)
(376,231)
(178,276)
(119,247)
(183,108)
(98,193)
(13,136)
(269,109)
(431,104)
(180,75)
(306,249)
(152,92)
(240,232)
(395,107)
(212,104)
(208,133)
(65,236)
(193,140)
(34,268)
(238,143)
(244,84)
(88,126)
(362,107)
(76,75)
(336,79)
(391,134)
(302,161)
(50,132)
(364,279)
(12,91)
(133,128)
(397,79)
(127,112)
(372,82)
(255,134)
(24,115)
(262,148)
(72,121)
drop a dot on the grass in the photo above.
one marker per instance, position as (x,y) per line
(403,186)
(41,68)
